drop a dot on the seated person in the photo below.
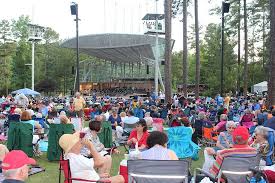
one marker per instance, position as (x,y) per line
(41,120)
(240,140)
(157,144)
(3,151)
(15,166)
(139,135)
(81,166)
(16,115)
(247,119)
(221,126)
(270,123)
(26,118)
(91,135)
(260,141)
(148,119)
(224,141)
(64,119)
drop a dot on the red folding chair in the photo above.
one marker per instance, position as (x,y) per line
(64,165)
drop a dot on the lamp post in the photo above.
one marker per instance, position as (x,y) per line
(35,35)
(225,9)
(74,11)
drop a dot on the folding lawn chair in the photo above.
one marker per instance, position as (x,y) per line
(77,122)
(271,142)
(20,136)
(209,137)
(64,165)
(179,140)
(234,169)
(158,171)
(55,132)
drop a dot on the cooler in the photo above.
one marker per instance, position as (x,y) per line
(123,170)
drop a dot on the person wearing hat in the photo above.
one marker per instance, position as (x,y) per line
(15,166)
(80,166)
(240,146)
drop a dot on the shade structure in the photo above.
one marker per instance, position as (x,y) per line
(119,47)
(26,91)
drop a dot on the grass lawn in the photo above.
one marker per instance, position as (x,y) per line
(52,168)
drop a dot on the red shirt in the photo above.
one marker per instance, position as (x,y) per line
(142,140)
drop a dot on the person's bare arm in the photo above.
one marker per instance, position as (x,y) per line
(98,159)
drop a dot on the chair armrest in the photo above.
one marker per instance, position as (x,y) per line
(201,171)
(95,181)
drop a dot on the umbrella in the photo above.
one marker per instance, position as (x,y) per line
(26,91)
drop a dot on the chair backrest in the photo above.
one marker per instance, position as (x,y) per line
(129,127)
(207,133)
(20,137)
(55,132)
(271,142)
(105,135)
(157,171)
(235,168)
(77,122)
(179,140)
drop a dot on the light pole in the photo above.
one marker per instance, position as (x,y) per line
(35,34)
(74,11)
(225,9)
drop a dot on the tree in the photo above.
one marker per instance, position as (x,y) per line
(197,50)
(245,49)
(168,50)
(7,48)
(271,82)
(176,8)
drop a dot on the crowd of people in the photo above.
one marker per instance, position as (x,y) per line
(241,125)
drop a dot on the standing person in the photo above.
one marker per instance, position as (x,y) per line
(79,104)
(227,101)
(15,166)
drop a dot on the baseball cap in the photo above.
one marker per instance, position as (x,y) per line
(242,132)
(16,159)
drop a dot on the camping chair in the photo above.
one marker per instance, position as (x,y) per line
(233,169)
(128,128)
(77,122)
(158,171)
(209,137)
(20,137)
(179,140)
(55,132)
(271,142)
(64,165)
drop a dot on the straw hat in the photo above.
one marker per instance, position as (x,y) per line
(67,141)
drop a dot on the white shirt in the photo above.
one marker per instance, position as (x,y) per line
(82,167)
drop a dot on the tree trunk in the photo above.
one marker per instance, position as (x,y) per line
(168,50)
(271,82)
(239,49)
(197,50)
(185,52)
(245,50)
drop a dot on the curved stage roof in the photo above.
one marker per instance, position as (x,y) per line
(118,47)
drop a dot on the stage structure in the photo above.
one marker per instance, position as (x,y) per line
(119,60)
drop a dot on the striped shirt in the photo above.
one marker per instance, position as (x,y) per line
(239,150)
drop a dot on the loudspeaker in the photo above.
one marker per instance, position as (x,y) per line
(162,62)
(225,7)
(147,69)
(73,9)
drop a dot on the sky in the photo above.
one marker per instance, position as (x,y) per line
(99,16)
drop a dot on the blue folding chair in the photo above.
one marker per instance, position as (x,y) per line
(179,140)
(271,142)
